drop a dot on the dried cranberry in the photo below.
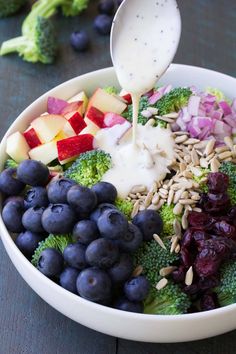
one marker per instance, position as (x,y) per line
(232,215)
(208,283)
(178,275)
(191,289)
(200,220)
(217,182)
(200,238)
(216,203)
(208,302)
(222,228)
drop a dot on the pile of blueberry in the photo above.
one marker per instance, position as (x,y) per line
(98,264)
(102,24)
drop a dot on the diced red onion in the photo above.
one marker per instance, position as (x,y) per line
(225,107)
(185,115)
(55,105)
(233,106)
(155,97)
(217,114)
(230,119)
(193,105)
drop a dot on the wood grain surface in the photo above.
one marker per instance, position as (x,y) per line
(27,324)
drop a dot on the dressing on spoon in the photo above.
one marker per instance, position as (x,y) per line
(144,39)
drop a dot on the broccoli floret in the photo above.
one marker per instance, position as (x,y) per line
(168,218)
(173,101)
(201,179)
(112,90)
(168,301)
(125,206)
(37,42)
(226,291)
(10,7)
(10,163)
(220,96)
(59,242)
(89,168)
(152,257)
(229,168)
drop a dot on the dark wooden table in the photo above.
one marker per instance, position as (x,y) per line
(27,324)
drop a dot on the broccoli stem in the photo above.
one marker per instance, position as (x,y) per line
(12,45)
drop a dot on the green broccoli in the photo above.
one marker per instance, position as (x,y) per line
(171,102)
(10,7)
(201,179)
(59,242)
(10,163)
(229,168)
(37,42)
(168,218)
(89,168)
(125,206)
(112,90)
(152,257)
(168,301)
(226,291)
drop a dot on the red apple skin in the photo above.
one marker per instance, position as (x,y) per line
(96,116)
(73,106)
(127,98)
(32,138)
(77,122)
(74,146)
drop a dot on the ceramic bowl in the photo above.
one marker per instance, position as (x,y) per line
(148,328)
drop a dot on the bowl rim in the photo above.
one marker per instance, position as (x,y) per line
(6,237)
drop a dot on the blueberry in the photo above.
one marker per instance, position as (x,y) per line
(105,192)
(149,222)
(27,242)
(102,24)
(58,219)
(32,219)
(124,304)
(82,199)
(79,41)
(137,288)
(85,231)
(68,279)
(50,262)
(112,224)
(13,198)
(106,7)
(36,196)
(74,255)
(121,270)
(12,215)
(32,172)
(95,215)
(57,190)
(9,184)
(131,240)
(102,253)
(94,284)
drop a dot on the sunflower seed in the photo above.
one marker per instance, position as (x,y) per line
(221,149)
(154,187)
(203,162)
(148,199)
(177,248)
(150,122)
(201,145)
(182,166)
(209,147)
(196,197)
(186,201)
(209,157)
(225,155)
(178,195)
(165,119)
(187,159)
(153,207)
(161,284)
(178,208)
(177,227)
(191,141)
(159,241)
(229,142)
(189,276)
(170,197)
(196,171)
(180,132)
(135,209)
(155,199)
(166,271)
(185,195)
(141,208)
(180,139)
(194,157)
(198,210)
(171,115)
(184,221)
(145,113)
(188,174)
(215,165)
(159,205)
(138,189)
(137,271)
(174,243)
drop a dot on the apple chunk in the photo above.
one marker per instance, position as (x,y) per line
(74,146)
(76,121)
(106,102)
(48,126)
(96,116)
(73,107)
(32,138)
(81,96)
(17,147)
(45,153)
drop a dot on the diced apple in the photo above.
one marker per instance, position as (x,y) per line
(45,153)
(81,96)
(126,96)
(73,107)
(91,127)
(32,138)
(76,121)
(68,130)
(96,116)
(48,126)
(17,147)
(106,102)
(74,146)
(111,119)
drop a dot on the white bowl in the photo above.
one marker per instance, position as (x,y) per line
(148,328)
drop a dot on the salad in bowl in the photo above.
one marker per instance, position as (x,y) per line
(157,238)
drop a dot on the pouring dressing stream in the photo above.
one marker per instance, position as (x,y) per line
(144,39)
